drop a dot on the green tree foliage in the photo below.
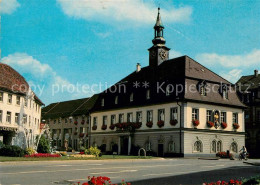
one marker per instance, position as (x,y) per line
(11,150)
(44,145)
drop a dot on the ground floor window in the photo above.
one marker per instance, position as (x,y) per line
(171,146)
(219,146)
(148,146)
(234,147)
(213,146)
(198,146)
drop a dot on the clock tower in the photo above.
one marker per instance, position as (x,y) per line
(158,53)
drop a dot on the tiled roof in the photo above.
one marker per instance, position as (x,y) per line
(183,71)
(250,81)
(69,108)
(12,81)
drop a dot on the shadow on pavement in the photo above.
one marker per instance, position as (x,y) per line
(207,176)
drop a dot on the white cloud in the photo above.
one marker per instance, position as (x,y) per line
(231,67)
(8,6)
(135,11)
(174,54)
(213,59)
(43,79)
(232,75)
(27,64)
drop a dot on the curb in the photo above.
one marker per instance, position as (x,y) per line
(252,163)
(208,158)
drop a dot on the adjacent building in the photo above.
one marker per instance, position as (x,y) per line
(69,123)
(20,109)
(249,93)
(171,107)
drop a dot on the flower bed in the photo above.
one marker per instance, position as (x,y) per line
(94,127)
(224,125)
(149,124)
(101,181)
(231,182)
(136,125)
(210,124)
(236,126)
(75,122)
(160,123)
(104,127)
(82,122)
(82,155)
(224,155)
(128,125)
(43,155)
(122,125)
(112,126)
(195,122)
(173,122)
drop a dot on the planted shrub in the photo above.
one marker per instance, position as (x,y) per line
(44,145)
(93,151)
(30,151)
(12,151)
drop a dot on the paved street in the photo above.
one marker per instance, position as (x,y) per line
(156,171)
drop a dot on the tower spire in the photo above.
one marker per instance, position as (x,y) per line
(158,53)
(158,30)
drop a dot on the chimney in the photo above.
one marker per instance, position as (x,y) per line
(138,67)
(256,72)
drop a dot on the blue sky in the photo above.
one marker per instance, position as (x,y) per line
(76,42)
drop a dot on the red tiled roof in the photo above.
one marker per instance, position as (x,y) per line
(12,81)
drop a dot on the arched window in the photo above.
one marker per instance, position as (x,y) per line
(171,146)
(219,146)
(198,146)
(234,147)
(148,146)
(214,146)
(94,144)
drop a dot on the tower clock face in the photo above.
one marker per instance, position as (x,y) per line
(153,53)
(163,55)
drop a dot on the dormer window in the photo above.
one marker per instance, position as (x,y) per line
(202,90)
(116,100)
(225,94)
(131,97)
(167,90)
(102,102)
(148,94)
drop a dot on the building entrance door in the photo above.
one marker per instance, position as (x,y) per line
(124,145)
(160,150)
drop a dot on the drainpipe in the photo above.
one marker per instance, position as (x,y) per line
(89,130)
(180,122)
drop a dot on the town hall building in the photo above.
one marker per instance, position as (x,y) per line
(172,107)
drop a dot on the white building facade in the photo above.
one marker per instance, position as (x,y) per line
(20,109)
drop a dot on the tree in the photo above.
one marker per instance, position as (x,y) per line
(44,145)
